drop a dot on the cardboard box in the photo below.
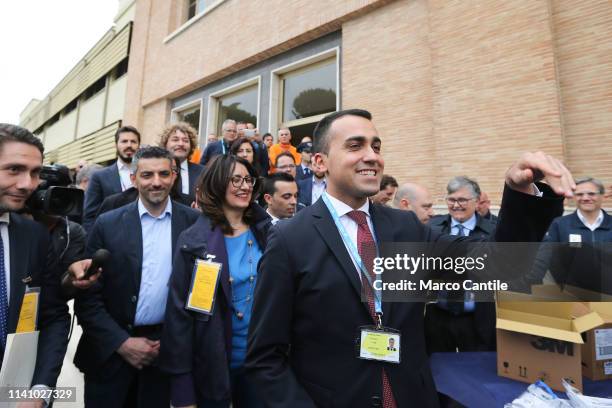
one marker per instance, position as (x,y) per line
(541,340)
(597,347)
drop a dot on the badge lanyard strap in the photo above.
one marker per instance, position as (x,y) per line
(222,147)
(353,252)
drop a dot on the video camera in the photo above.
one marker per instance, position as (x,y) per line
(54,196)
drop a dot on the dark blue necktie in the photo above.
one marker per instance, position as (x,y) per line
(307,171)
(3,297)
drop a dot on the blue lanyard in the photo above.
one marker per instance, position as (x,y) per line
(348,242)
(222,147)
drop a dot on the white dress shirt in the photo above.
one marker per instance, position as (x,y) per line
(124,174)
(274,218)
(184,177)
(318,187)
(349,224)
(594,225)
(4,223)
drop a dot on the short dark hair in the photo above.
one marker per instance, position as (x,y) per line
(269,184)
(283,154)
(151,152)
(212,185)
(321,132)
(14,133)
(388,180)
(239,142)
(125,129)
(266,135)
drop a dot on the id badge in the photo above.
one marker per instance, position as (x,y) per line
(28,314)
(204,282)
(379,344)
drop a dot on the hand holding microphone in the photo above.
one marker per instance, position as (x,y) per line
(83,274)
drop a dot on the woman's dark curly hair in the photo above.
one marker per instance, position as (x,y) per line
(212,185)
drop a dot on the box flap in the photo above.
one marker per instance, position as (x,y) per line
(587,322)
(604,309)
(540,331)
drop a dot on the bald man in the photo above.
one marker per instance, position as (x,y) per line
(482,208)
(414,197)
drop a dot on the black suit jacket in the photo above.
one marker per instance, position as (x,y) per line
(304,192)
(102,184)
(307,310)
(28,242)
(194,171)
(130,195)
(107,310)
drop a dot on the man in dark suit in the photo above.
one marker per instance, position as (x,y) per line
(23,256)
(303,170)
(467,325)
(310,189)
(229,133)
(484,208)
(308,309)
(122,314)
(180,139)
(114,178)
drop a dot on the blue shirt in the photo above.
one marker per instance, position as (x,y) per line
(243,261)
(468,226)
(156,265)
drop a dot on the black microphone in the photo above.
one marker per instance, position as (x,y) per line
(98,260)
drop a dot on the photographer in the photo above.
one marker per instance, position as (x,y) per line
(23,255)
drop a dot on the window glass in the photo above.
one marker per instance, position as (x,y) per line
(191,116)
(310,91)
(195,7)
(240,106)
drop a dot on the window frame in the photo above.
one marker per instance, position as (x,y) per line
(191,21)
(215,97)
(187,107)
(276,89)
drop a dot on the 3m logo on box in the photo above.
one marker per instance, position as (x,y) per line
(551,345)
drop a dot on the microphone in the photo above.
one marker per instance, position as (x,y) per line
(98,260)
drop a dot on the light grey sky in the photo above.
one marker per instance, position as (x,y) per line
(41,41)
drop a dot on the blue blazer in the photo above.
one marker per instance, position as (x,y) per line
(304,192)
(102,184)
(213,149)
(28,243)
(196,348)
(107,310)
(308,307)
(194,170)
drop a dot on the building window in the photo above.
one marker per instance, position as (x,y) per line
(240,106)
(189,113)
(303,92)
(310,91)
(121,68)
(70,107)
(195,7)
(95,88)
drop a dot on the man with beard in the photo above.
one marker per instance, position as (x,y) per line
(123,313)
(114,178)
(180,139)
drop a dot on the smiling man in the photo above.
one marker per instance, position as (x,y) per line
(308,306)
(122,315)
(114,178)
(280,192)
(180,139)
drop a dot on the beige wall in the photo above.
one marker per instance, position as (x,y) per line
(456,87)
(61,132)
(91,114)
(115,103)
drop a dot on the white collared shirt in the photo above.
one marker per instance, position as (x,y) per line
(318,188)
(349,224)
(274,218)
(5,219)
(124,174)
(594,225)
(184,177)
(468,226)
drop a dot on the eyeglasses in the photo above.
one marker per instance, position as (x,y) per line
(590,194)
(230,130)
(462,201)
(238,180)
(287,167)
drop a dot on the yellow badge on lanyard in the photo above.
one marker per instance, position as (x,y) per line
(204,283)
(28,314)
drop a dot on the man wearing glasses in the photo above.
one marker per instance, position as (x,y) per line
(467,325)
(229,133)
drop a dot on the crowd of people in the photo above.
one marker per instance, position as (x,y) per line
(244,279)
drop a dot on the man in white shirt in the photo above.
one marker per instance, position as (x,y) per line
(180,139)
(280,193)
(114,178)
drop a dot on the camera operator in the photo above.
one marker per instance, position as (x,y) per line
(23,255)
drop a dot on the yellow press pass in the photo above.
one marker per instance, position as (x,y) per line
(28,313)
(204,283)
